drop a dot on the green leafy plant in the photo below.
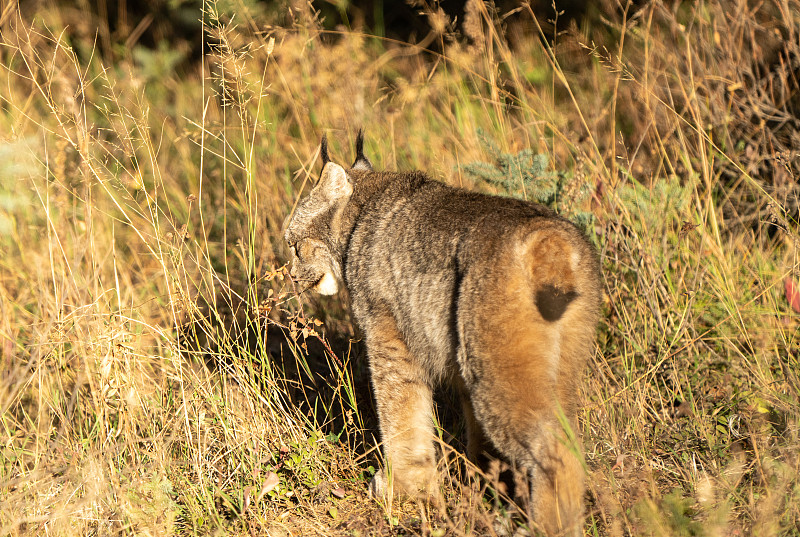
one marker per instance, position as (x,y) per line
(657,206)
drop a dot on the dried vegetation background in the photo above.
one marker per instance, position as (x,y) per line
(159,376)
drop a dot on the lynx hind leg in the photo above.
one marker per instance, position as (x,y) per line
(550,456)
(543,437)
(523,386)
(557,481)
(522,416)
(405,404)
(556,471)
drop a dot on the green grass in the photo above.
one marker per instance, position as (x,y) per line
(158,374)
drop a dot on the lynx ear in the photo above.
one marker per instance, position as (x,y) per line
(334,182)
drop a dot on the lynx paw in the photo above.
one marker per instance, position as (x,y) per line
(425,489)
(379,486)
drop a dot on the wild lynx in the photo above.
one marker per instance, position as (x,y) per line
(497,296)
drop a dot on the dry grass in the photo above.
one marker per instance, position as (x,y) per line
(159,376)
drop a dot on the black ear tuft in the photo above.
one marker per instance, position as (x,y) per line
(323,150)
(360,144)
(361,162)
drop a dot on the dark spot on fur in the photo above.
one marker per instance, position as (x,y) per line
(552,302)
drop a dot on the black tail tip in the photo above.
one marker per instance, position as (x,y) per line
(552,302)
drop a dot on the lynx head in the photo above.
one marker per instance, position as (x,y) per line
(315,232)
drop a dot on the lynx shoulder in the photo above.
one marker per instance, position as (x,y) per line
(497,296)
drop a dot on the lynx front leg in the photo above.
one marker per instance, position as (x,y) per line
(404,400)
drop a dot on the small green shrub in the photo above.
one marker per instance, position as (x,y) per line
(525,175)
